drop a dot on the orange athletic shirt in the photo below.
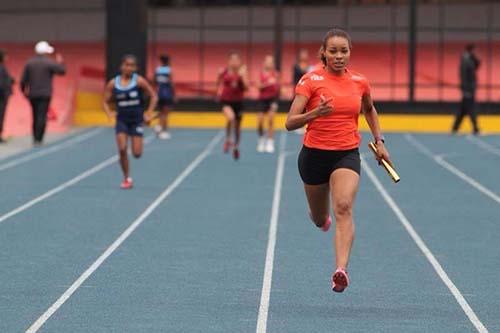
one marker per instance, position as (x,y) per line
(339,130)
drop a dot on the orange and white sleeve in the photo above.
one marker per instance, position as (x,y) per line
(304,87)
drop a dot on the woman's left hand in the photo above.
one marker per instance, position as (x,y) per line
(148,117)
(382,153)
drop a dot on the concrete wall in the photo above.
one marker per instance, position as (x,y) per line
(64,20)
(53,20)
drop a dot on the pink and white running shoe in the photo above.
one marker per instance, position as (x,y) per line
(340,280)
(326,226)
(127,183)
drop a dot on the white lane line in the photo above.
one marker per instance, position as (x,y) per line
(66,184)
(439,159)
(484,145)
(425,250)
(52,149)
(67,294)
(273,228)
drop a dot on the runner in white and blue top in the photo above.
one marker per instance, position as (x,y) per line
(125,93)
(166,94)
(129,107)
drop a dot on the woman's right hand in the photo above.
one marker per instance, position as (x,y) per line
(242,71)
(324,109)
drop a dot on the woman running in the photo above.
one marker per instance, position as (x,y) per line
(166,95)
(329,162)
(126,90)
(269,92)
(232,83)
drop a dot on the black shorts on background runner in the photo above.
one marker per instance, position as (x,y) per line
(266,103)
(237,108)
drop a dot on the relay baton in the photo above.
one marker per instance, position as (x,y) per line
(390,170)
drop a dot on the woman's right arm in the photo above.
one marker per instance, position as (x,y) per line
(218,85)
(108,92)
(297,118)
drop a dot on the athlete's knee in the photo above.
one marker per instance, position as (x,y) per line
(229,115)
(122,151)
(343,208)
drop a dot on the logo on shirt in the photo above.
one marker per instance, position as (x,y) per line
(356,78)
(129,103)
(316,77)
(133,94)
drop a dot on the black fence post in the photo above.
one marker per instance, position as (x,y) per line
(126,33)
(412,48)
(278,32)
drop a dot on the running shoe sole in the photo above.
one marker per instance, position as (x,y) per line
(340,281)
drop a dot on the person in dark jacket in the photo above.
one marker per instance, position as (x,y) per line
(6,82)
(36,84)
(301,67)
(469,64)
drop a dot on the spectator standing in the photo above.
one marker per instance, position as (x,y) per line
(469,64)
(36,85)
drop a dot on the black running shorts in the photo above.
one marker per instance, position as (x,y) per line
(316,165)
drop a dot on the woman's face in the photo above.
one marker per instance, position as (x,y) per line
(234,61)
(269,62)
(128,67)
(303,56)
(337,53)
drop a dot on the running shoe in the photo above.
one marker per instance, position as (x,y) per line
(270,146)
(164,135)
(158,129)
(127,183)
(340,280)
(227,146)
(261,145)
(326,226)
(236,154)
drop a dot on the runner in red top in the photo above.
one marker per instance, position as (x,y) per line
(232,83)
(269,93)
(329,101)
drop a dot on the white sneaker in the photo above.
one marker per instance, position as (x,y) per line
(261,145)
(300,131)
(164,135)
(270,146)
(158,129)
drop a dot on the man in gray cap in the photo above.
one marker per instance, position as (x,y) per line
(36,84)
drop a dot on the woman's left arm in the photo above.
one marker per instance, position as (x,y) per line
(371,117)
(148,89)
(153,99)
